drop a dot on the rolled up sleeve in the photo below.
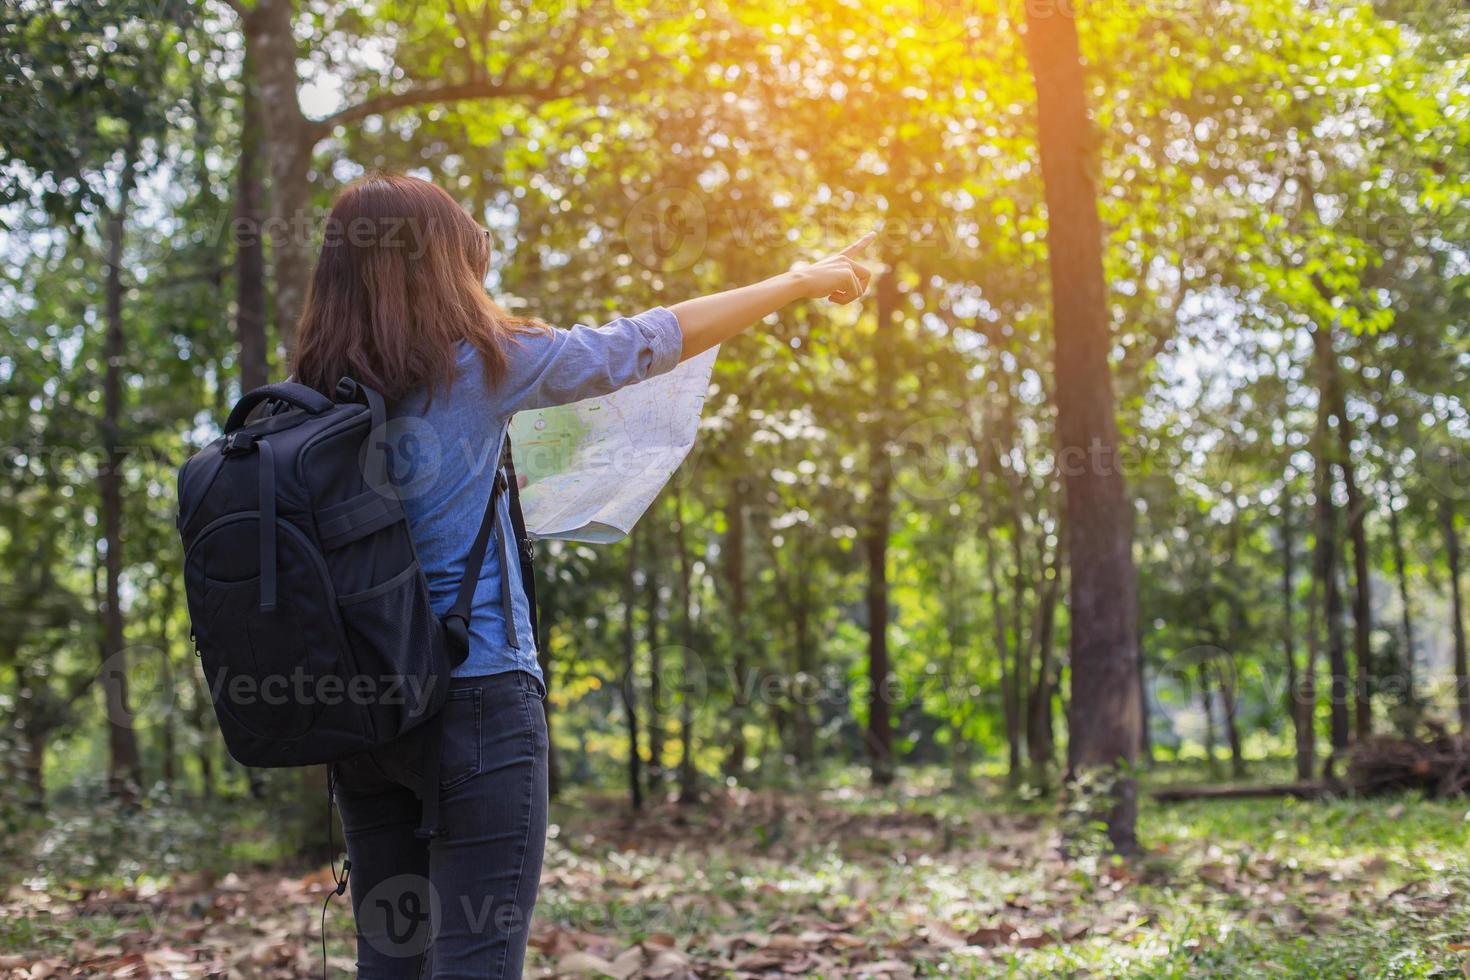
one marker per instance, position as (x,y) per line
(562,366)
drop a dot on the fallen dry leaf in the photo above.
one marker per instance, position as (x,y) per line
(583,964)
(991,935)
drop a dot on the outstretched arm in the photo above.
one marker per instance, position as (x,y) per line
(714,319)
(555,367)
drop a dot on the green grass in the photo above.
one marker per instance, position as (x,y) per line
(1226,888)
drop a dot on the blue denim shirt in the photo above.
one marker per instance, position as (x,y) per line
(449,447)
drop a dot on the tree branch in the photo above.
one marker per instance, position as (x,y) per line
(474,53)
(441,94)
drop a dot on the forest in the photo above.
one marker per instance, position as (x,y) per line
(1088,601)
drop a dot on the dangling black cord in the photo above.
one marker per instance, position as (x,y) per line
(332,857)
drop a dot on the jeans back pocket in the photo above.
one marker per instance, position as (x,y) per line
(461,758)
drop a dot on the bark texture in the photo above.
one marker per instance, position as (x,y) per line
(1105,713)
(876,534)
(250,292)
(1457,610)
(124,768)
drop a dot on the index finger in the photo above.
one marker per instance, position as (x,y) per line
(860,244)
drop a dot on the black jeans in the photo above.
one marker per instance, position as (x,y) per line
(459,905)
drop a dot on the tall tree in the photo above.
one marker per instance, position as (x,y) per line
(878,528)
(1300,696)
(1326,568)
(250,291)
(525,61)
(124,768)
(688,775)
(1457,609)
(1357,507)
(651,607)
(1406,608)
(1104,716)
(105,99)
(628,686)
(740,642)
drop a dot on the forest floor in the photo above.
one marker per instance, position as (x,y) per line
(835,881)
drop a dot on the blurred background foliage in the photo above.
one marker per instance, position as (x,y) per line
(1282,189)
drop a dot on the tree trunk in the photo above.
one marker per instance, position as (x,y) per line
(1145,733)
(1300,791)
(203,732)
(740,669)
(1362,604)
(1362,601)
(1104,710)
(1324,584)
(35,768)
(1337,660)
(956,649)
(255,783)
(1229,708)
(124,769)
(1457,609)
(300,796)
(803,668)
(1009,696)
(655,666)
(1400,567)
(1304,697)
(630,674)
(1288,628)
(289,139)
(688,788)
(1020,643)
(168,733)
(1235,638)
(167,745)
(33,728)
(803,727)
(1327,524)
(1207,699)
(1040,740)
(875,537)
(250,294)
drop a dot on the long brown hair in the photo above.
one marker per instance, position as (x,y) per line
(399,281)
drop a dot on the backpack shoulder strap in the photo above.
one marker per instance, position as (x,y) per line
(524,548)
(457,620)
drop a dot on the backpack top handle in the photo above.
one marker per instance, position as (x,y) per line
(307,399)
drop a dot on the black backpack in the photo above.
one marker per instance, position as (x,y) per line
(310,612)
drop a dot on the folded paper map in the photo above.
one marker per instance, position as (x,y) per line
(590,469)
